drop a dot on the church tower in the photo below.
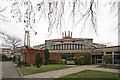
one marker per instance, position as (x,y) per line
(27,39)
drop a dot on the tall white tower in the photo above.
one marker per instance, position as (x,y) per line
(27,39)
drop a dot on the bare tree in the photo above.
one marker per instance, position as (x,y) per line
(2,17)
(54,11)
(10,41)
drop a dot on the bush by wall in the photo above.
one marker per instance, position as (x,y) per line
(62,61)
(87,57)
(3,57)
(75,60)
(46,56)
(38,60)
(81,60)
(52,61)
(10,58)
(21,63)
(71,58)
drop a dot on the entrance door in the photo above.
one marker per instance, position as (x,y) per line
(93,59)
(96,59)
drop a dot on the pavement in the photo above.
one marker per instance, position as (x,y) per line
(9,70)
(62,72)
(105,69)
(68,71)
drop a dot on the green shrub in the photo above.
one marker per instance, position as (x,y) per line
(50,61)
(107,59)
(71,58)
(3,57)
(62,61)
(46,56)
(38,60)
(10,58)
(21,63)
(81,60)
(75,60)
(87,57)
(53,61)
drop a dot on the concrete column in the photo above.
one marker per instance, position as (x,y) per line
(63,46)
(66,46)
(74,46)
(25,39)
(104,53)
(71,46)
(112,57)
(80,46)
(60,46)
(55,47)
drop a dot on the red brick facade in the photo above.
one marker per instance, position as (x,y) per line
(55,56)
(30,55)
(77,55)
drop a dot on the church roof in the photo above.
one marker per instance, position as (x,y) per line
(67,39)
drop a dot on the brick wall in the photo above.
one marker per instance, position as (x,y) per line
(30,55)
(78,54)
(55,56)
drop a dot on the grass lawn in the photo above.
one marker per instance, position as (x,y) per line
(88,74)
(32,69)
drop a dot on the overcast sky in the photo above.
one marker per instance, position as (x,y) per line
(106,31)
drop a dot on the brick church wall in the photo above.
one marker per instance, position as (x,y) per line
(30,55)
(55,56)
(78,54)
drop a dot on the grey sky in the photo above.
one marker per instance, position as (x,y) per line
(106,31)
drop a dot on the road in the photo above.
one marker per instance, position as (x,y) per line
(9,70)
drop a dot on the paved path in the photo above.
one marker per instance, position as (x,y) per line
(68,71)
(9,70)
(62,72)
(105,69)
